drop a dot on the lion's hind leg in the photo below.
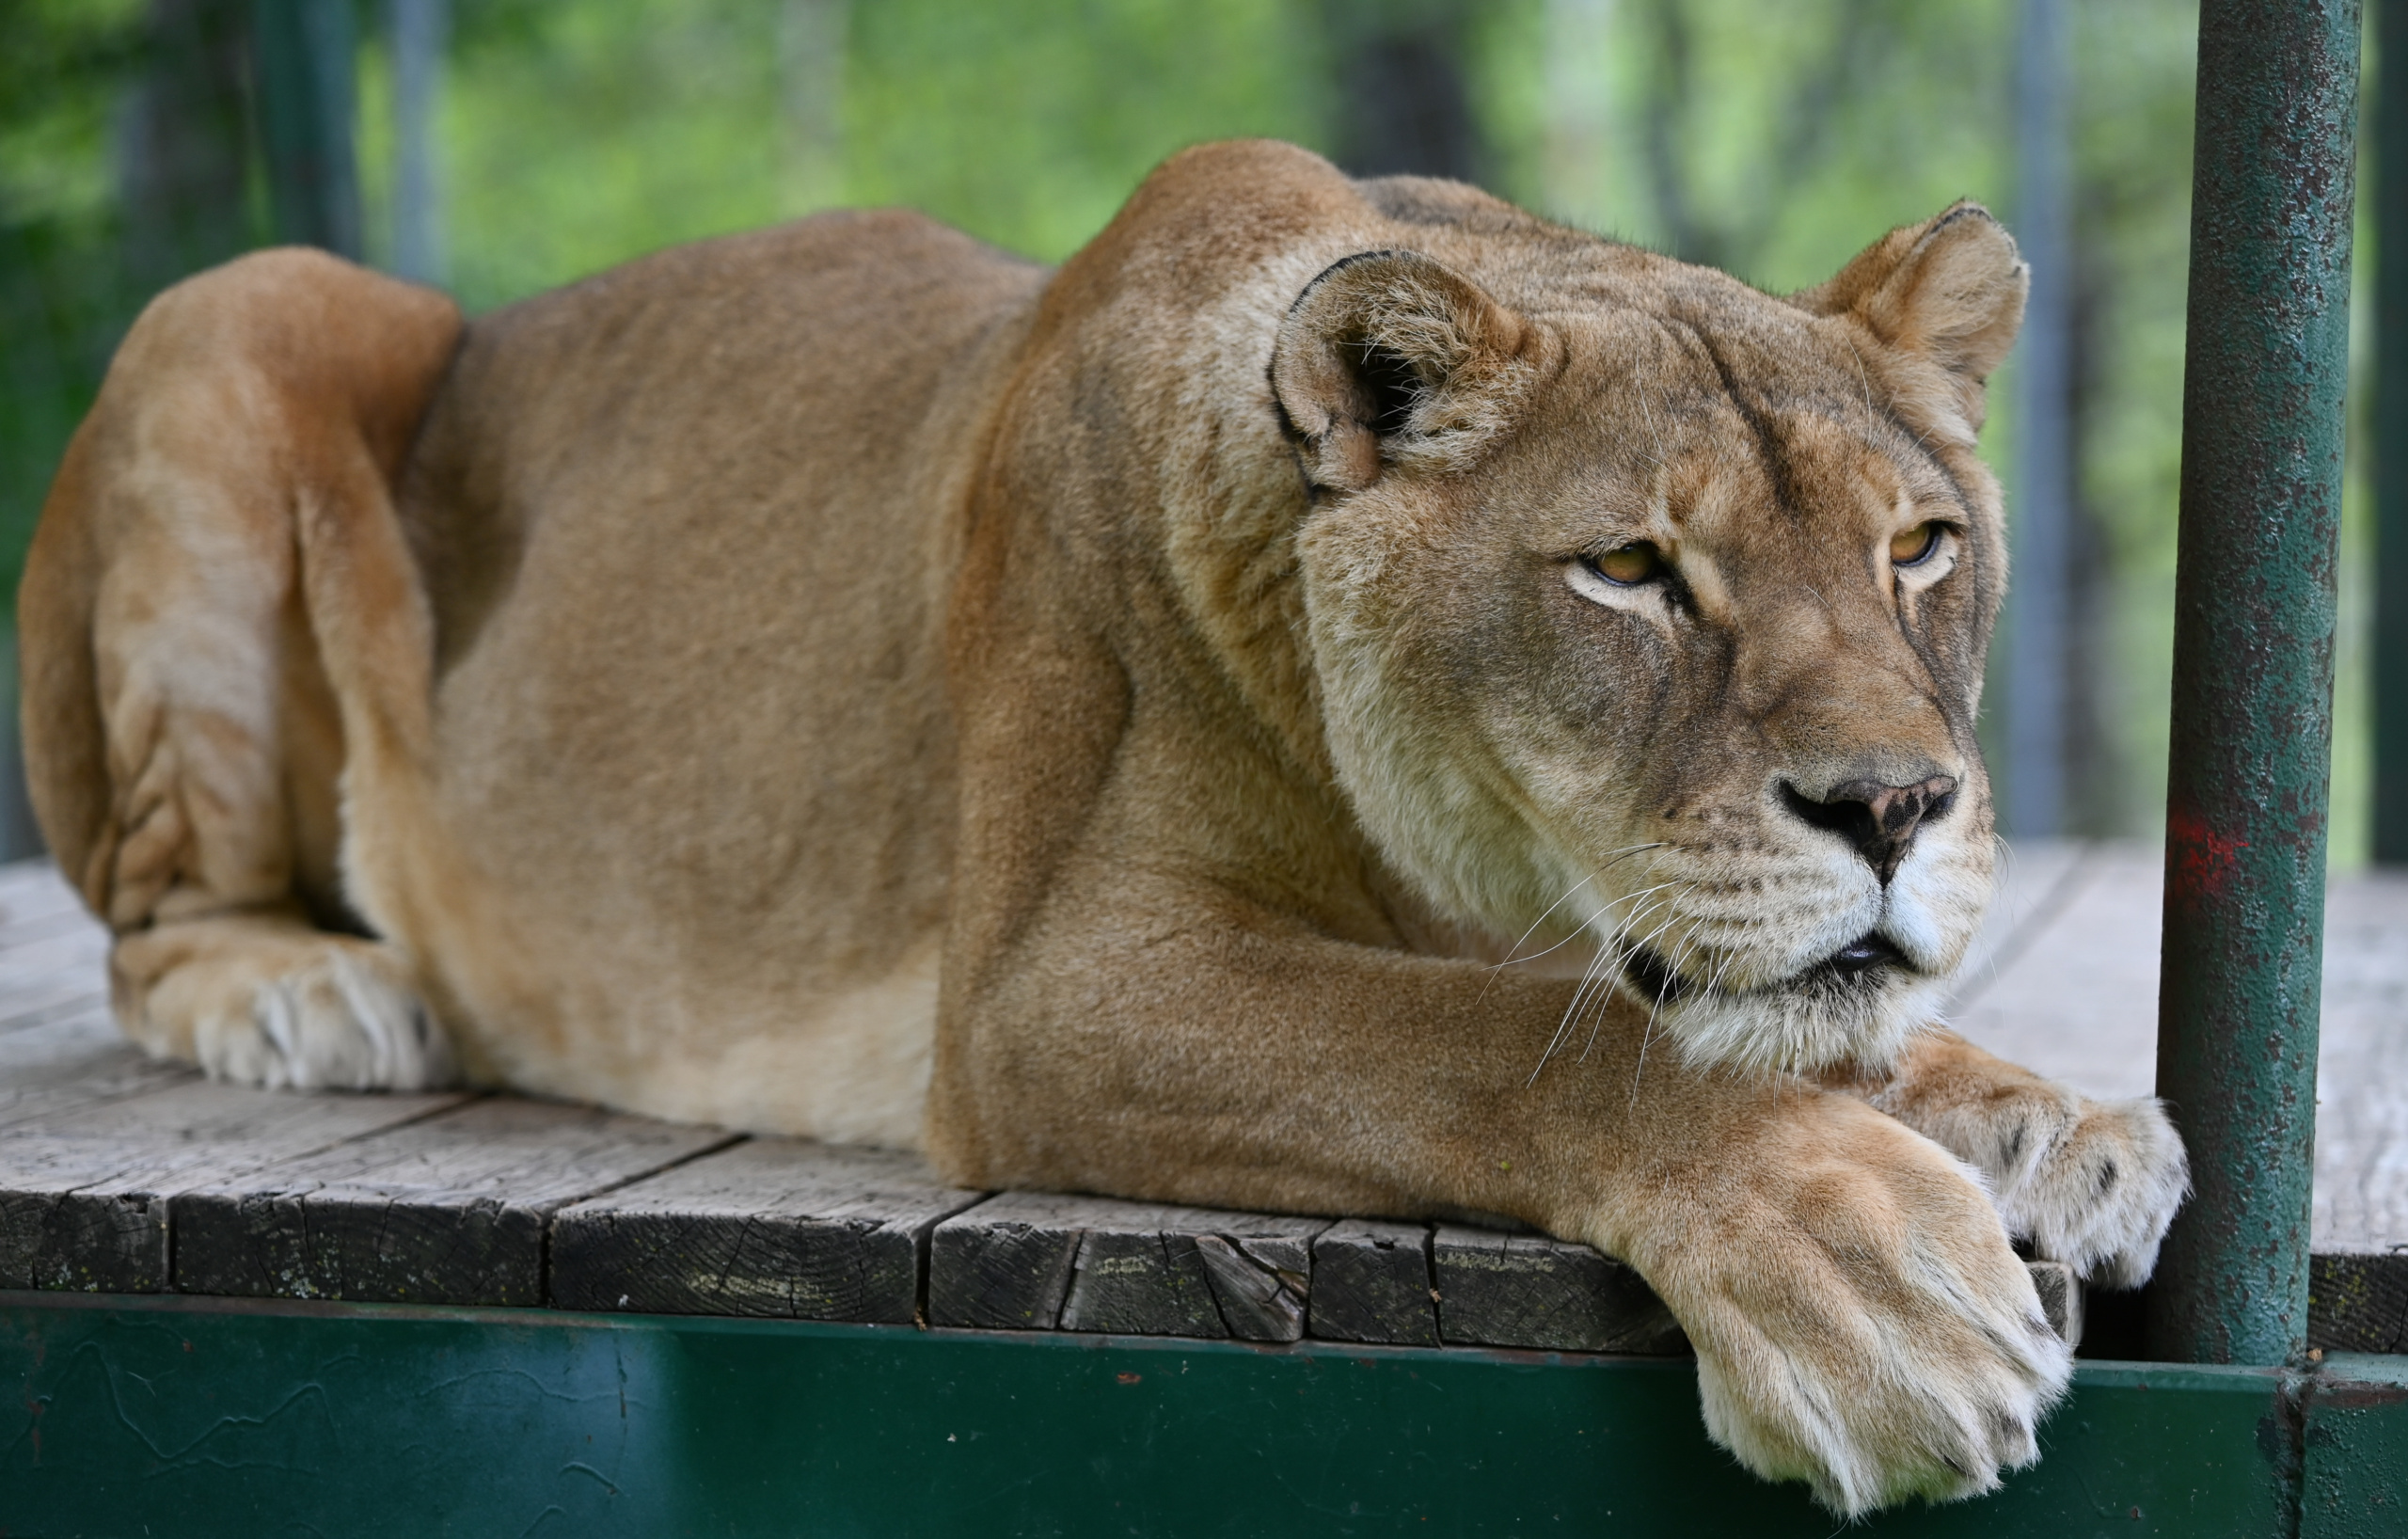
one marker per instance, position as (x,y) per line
(184,743)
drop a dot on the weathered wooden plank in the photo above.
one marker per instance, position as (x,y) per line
(1005,1264)
(85,1195)
(1031,1261)
(449,1210)
(2358,1301)
(1532,1291)
(2035,881)
(1535,1291)
(35,984)
(2361,1205)
(35,1008)
(2075,996)
(1372,1282)
(30,889)
(1143,1270)
(41,942)
(771,1227)
(75,1061)
(89,1204)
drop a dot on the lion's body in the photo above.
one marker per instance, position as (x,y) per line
(1102,726)
(726,900)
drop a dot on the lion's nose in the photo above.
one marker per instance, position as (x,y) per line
(1879,820)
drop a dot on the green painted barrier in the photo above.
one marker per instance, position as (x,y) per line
(200,1418)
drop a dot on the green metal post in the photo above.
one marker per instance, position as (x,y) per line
(2253,667)
(2389,420)
(303,51)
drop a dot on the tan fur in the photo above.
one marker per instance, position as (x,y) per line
(1156,716)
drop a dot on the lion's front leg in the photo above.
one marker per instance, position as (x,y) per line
(2092,1184)
(1861,1319)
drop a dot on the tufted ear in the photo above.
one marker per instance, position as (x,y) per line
(1390,358)
(1950,288)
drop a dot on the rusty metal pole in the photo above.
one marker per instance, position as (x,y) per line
(2388,115)
(2253,667)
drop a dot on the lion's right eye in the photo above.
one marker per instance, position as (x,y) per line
(1627,566)
(1913,547)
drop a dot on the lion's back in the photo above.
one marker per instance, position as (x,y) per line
(687,529)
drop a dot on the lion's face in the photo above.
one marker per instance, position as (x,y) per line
(1660,644)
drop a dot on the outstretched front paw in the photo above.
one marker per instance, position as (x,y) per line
(2092,1184)
(1862,1322)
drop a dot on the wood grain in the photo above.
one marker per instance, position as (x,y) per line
(1533,1291)
(1372,1282)
(1005,1264)
(452,1209)
(85,1195)
(1027,1261)
(76,1060)
(2358,1301)
(771,1227)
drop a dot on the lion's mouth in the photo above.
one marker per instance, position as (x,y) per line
(1867,953)
(1652,976)
(1860,963)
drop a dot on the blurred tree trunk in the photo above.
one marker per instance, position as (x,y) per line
(2096,804)
(812,40)
(303,58)
(184,143)
(2041,622)
(1403,96)
(1672,103)
(420,30)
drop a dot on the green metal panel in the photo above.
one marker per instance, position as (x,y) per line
(201,1418)
(2356,1464)
(2268,356)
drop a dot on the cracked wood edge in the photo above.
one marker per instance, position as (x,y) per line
(772,1227)
(1039,1262)
(453,1209)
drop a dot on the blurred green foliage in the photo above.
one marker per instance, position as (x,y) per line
(1774,136)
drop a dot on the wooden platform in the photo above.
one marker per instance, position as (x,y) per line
(120,1175)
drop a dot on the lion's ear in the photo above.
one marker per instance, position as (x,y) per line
(1390,358)
(1950,289)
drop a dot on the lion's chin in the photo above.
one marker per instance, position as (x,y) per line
(1856,1008)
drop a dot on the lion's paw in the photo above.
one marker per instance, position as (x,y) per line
(1879,1340)
(2097,1187)
(345,1022)
(2092,1184)
(1914,1423)
(279,1007)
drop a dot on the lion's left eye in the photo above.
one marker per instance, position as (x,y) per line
(1913,547)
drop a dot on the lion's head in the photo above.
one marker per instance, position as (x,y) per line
(1648,611)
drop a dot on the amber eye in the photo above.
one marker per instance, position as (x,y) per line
(1913,547)
(1627,566)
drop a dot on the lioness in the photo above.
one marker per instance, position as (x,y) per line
(1345,697)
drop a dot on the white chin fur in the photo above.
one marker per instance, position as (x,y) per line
(1804,1029)
(1775,1014)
